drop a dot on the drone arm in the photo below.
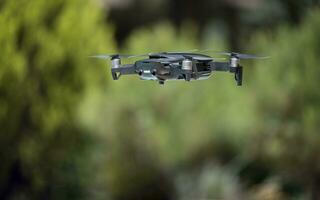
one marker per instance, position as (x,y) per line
(225,66)
(220,66)
(123,70)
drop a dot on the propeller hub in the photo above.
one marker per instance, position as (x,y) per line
(116,62)
(234,61)
(114,56)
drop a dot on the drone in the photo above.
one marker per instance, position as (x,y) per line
(186,66)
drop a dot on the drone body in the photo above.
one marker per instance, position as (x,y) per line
(177,66)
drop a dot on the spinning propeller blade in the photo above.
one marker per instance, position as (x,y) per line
(111,56)
(242,56)
(234,54)
(179,52)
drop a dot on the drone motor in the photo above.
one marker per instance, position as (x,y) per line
(116,62)
(234,61)
(187,65)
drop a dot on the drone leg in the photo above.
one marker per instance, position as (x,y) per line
(187,77)
(115,76)
(161,82)
(238,75)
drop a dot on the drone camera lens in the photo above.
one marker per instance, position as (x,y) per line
(153,73)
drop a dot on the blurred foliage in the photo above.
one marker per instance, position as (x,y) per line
(68,134)
(288,103)
(163,36)
(44,71)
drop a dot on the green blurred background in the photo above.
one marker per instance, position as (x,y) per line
(67,131)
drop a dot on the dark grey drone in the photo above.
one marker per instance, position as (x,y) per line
(177,66)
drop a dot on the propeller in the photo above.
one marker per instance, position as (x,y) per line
(164,52)
(235,54)
(242,56)
(181,52)
(111,56)
(199,58)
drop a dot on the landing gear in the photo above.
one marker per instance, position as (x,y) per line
(238,75)
(187,77)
